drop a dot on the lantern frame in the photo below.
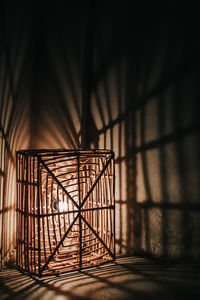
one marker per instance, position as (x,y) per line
(65,210)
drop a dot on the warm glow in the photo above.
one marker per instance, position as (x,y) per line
(62,206)
(72,195)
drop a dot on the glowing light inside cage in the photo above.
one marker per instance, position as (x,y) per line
(62,206)
(65,210)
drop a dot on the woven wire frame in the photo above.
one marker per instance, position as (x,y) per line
(65,210)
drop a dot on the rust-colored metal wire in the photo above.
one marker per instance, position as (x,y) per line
(65,210)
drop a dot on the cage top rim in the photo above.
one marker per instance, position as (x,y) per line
(62,151)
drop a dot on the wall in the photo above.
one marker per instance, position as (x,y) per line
(141,100)
(56,76)
(14,112)
(145,106)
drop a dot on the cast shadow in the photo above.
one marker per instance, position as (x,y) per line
(14,67)
(127,278)
(144,103)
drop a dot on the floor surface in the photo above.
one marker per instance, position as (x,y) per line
(127,278)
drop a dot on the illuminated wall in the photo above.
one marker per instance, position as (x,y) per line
(57,83)
(14,113)
(142,103)
(145,107)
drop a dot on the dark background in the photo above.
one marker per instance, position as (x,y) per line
(122,75)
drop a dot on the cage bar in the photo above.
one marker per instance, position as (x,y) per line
(65,210)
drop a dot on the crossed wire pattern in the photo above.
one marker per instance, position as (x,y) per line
(65,210)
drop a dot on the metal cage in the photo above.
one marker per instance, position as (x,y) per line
(65,210)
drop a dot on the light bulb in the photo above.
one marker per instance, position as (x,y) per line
(62,206)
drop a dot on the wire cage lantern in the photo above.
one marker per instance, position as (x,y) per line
(65,210)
